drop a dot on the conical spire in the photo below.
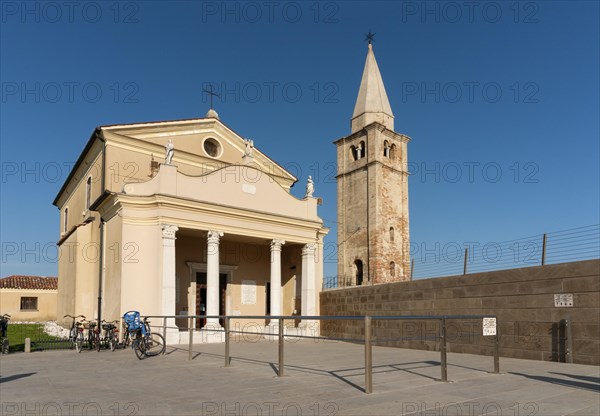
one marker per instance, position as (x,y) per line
(372,104)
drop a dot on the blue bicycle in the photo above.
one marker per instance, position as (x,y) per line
(144,342)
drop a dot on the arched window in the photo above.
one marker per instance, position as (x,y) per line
(392,152)
(88,192)
(362,150)
(353,153)
(359,272)
(386,149)
(392,234)
(392,269)
(66,220)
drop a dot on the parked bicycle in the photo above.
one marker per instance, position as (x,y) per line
(73,332)
(93,335)
(3,330)
(80,340)
(111,335)
(144,342)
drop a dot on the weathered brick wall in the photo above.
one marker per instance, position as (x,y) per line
(522,299)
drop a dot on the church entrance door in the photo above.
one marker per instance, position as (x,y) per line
(201,297)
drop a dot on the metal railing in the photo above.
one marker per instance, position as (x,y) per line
(453,258)
(367,341)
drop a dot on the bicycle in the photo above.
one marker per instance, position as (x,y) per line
(144,342)
(111,336)
(3,329)
(79,338)
(73,332)
(93,335)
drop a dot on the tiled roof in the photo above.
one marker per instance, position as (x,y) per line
(29,282)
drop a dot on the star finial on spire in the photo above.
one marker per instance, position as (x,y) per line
(369,37)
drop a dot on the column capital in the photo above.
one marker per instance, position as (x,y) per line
(214,236)
(309,249)
(276,244)
(168,231)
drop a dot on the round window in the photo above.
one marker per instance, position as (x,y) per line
(212,147)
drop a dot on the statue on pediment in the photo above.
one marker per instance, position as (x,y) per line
(169,152)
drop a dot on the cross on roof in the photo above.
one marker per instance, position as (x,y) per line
(369,37)
(210,94)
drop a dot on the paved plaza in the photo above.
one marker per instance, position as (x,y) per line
(321,378)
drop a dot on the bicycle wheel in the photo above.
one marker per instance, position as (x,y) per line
(139,346)
(113,343)
(79,342)
(155,345)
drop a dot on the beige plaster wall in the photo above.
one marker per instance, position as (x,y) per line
(67,272)
(141,277)
(10,303)
(115,253)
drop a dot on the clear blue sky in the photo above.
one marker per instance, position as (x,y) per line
(501,100)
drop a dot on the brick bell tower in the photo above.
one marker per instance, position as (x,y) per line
(372,190)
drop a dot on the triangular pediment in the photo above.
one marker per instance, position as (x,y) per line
(207,142)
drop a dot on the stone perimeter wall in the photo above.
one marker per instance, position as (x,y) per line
(522,299)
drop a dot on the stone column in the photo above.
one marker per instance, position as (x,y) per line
(276,301)
(168,276)
(308,284)
(212,278)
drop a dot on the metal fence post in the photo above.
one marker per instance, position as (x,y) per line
(368,357)
(466,258)
(412,267)
(443,361)
(191,337)
(281,364)
(569,336)
(165,329)
(544,249)
(227,323)
(497,351)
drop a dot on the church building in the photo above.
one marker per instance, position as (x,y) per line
(187,217)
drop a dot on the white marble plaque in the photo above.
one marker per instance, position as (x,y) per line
(249,189)
(563,300)
(248,292)
(489,326)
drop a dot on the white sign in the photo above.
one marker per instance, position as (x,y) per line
(489,326)
(563,300)
(248,292)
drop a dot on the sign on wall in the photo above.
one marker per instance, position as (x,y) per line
(248,292)
(489,326)
(563,300)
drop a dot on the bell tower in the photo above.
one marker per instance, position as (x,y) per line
(372,189)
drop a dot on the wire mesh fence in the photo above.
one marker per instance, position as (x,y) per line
(454,258)
(43,335)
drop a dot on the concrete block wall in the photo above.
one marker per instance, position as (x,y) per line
(522,299)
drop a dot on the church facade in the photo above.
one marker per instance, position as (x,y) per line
(185,218)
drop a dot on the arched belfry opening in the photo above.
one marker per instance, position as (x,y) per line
(392,152)
(358,265)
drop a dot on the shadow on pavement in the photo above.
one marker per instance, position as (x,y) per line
(15,377)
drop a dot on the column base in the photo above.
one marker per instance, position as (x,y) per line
(309,327)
